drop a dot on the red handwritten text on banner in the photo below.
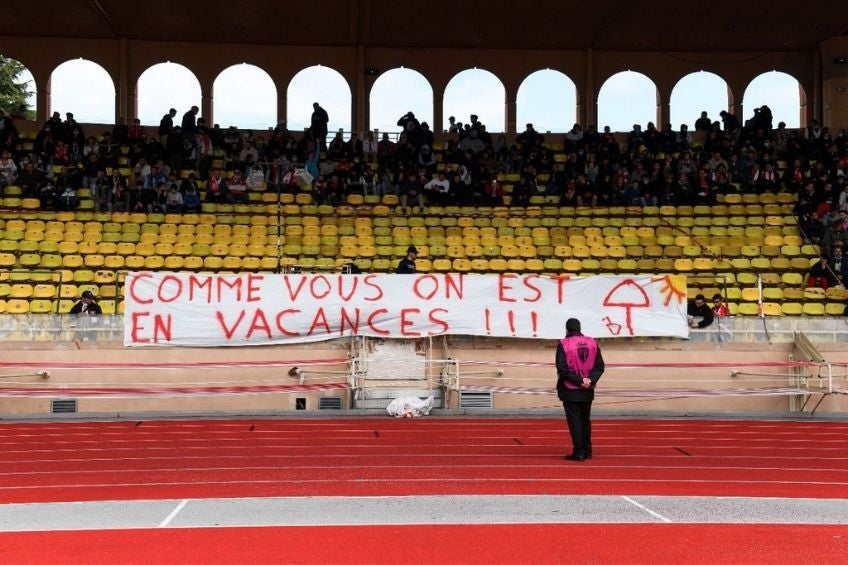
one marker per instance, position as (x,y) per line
(258,309)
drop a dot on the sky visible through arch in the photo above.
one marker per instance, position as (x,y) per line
(246,97)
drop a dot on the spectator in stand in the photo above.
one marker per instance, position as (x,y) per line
(730,122)
(370,148)
(839,265)
(29,179)
(699,313)
(835,235)
(318,125)
(336,150)
(704,123)
(530,138)
(821,275)
(87,305)
(8,170)
(812,227)
(166,125)
(406,266)
(135,134)
(385,152)
(238,186)
(121,132)
(174,201)
(8,132)
(720,309)
(217,189)
(453,126)
(412,190)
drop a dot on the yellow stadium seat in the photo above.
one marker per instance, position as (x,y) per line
(814,309)
(791,309)
(834,309)
(748,309)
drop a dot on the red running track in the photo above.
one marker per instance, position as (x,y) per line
(77,461)
(445,544)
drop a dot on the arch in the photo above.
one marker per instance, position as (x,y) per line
(244,96)
(85,89)
(697,92)
(781,92)
(23,78)
(324,85)
(163,86)
(480,92)
(396,92)
(547,99)
(627,98)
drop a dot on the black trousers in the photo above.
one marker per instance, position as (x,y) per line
(578,415)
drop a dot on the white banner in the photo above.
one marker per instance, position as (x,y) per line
(168,309)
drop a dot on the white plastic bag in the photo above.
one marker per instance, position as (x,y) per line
(409,407)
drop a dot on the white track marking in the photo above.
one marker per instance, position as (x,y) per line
(656,515)
(173,514)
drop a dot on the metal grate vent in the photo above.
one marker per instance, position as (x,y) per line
(475,400)
(63,406)
(330,403)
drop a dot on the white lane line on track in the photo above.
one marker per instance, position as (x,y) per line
(173,514)
(656,515)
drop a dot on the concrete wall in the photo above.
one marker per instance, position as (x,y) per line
(74,362)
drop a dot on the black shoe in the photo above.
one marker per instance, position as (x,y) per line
(573,457)
(589,455)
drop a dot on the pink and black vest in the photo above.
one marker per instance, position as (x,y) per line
(580,355)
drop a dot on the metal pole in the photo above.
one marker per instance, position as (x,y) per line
(279,227)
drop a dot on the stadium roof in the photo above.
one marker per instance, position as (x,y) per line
(643,25)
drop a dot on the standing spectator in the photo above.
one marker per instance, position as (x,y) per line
(318,126)
(166,124)
(370,148)
(135,133)
(579,366)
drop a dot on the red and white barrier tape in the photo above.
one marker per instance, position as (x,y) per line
(652,393)
(648,365)
(37,391)
(175,365)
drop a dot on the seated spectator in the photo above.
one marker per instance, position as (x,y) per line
(86,306)
(8,170)
(217,189)
(191,199)
(174,200)
(238,187)
(67,199)
(336,149)
(821,275)
(699,313)
(29,179)
(411,190)
(839,266)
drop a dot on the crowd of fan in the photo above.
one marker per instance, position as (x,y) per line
(651,167)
